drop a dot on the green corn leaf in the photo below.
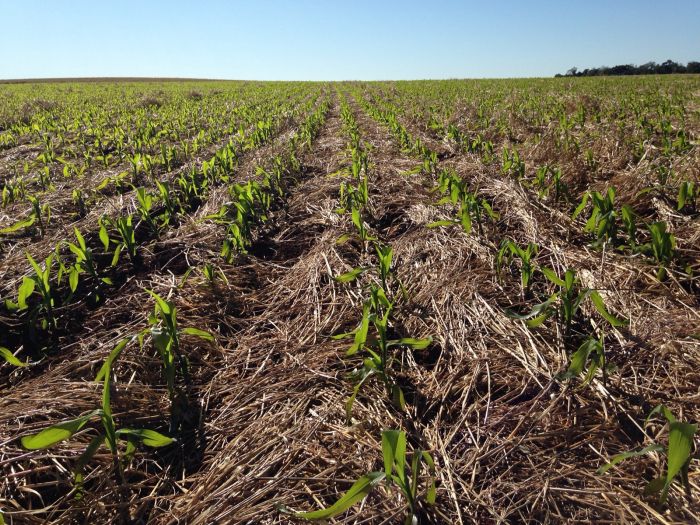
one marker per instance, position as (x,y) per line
(619,458)
(579,359)
(57,433)
(80,238)
(357,492)
(414,344)
(25,291)
(552,276)
(438,224)
(83,460)
(73,278)
(432,492)
(365,373)
(37,269)
(663,410)
(113,355)
(343,238)
(597,301)
(537,321)
(198,333)
(350,276)
(581,206)
(164,305)
(150,438)
(19,225)
(361,333)
(680,444)
(655,485)
(394,452)
(104,237)
(10,358)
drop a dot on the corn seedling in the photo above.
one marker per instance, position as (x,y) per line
(144,207)
(687,196)
(376,312)
(40,283)
(565,303)
(79,202)
(601,222)
(84,263)
(510,250)
(127,239)
(662,247)
(397,472)
(591,353)
(169,201)
(110,434)
(165,335)
(678,452)
(511,164)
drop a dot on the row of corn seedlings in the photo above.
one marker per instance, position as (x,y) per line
(373,343)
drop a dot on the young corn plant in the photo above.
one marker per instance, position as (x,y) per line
(662,247)
(397,472)
(512,165)
(687,199)
(165,335)
(84,264)
(79,202)
(548,179)
(678,452)
(601,223)
(470,207)
(127,237)
(376,313)
(39,283)
(510,250)
(170,202)
(110,434)
(38,218)
(362,234)
(565,303)
(589,358)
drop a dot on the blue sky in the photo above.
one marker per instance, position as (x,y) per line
(327,40)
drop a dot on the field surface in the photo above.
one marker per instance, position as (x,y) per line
(227,302)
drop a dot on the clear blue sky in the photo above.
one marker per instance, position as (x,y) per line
(351,39)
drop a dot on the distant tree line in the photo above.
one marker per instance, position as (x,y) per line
(650,68)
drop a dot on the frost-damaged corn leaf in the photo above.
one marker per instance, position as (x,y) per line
(357,492)
(597,301)
(349,276)
(10,358)
(57,433)
(619,458)
(150,438)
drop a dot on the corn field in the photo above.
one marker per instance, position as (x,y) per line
(382,302)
